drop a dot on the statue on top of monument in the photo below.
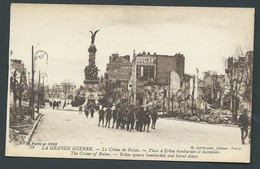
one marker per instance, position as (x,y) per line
(93,36)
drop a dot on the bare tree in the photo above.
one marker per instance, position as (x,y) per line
(238,81)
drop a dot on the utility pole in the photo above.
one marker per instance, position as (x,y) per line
(38,100)
(32,91)
(43,91)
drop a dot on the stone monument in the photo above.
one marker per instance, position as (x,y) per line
(91,72)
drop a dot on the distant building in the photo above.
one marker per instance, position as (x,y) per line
(62,91)
(118,69)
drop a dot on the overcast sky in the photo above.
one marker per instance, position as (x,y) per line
(205,36)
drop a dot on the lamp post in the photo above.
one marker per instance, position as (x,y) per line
(38,55)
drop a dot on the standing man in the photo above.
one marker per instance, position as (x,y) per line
(114,115)
(86,111)
(92,112)
(154,117)
(101,116)
(64,105)
(80,109)
(108,116)
(130,119)
(140,119)
(54,104)
(124,119)
(243,123)
(119,117)
(50,102)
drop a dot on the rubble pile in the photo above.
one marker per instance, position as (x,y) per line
(211,116)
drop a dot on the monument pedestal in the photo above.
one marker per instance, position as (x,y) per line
(93,84)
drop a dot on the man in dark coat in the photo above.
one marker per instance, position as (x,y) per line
(243,123)
(124,119)
(119,117)
(101,116)
(114,115)
(108,117)
(146,119)
(86,112)
(54,104)
(154,116)
(92,112)
(130,119)
(139,119)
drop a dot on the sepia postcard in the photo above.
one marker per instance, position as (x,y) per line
(130,82)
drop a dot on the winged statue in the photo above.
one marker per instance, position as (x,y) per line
(93,36)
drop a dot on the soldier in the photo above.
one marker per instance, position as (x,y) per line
(124,119)
(139,119)
(154,116)
(243,123)
(147,119)
(101,116)
(119,117)
(114,115)
(130,120)
(108,117)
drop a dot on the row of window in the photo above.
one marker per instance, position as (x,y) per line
(145,72)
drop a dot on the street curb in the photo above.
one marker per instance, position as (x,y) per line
(29,136)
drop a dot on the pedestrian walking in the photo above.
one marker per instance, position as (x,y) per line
(147,119)
(108,117)
(80,109)
(154,116)
(130,119)
(114,116)
(139,119)
(92,111)
(243,123)
(101,116)
(86,112)
(124,119)
(119,118)
(64,105)
(54,104)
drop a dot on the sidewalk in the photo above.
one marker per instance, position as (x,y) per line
(22,132)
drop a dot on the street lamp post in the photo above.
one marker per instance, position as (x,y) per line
(39,54)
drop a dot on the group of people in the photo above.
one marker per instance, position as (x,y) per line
(128,117)
(56,104)
(87,111)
